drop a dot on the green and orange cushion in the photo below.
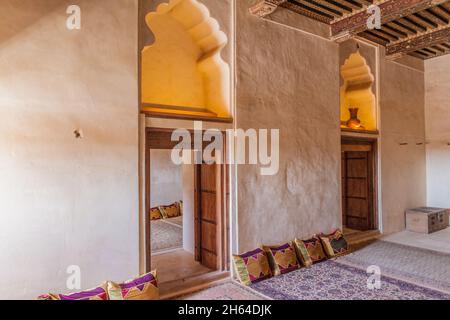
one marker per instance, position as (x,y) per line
(252,266)
(155,214)
(315,250)
(142,288)
(302,253)
(171,211)
(282,259)
(335,244)
(99,293)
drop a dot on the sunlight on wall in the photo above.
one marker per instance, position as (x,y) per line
(183,67)
(356,92)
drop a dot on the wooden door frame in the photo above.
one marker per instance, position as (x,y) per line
(360,144)
(223,236)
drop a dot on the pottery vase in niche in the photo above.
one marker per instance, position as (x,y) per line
(354,122)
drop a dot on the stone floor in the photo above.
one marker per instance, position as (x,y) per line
(226,291)
(438,241)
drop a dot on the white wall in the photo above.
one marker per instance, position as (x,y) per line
(66,201)
(437,111)
(402,119)
(166,185)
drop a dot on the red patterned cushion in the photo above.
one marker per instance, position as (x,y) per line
(99,293)
(142,288)
(282,259)
(252,266)
(315,249)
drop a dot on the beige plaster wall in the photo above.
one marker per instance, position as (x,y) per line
(403,174)
(166,179)
(67,201)
(437,111)
(288,80)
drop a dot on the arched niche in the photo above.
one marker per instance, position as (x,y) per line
(356,92)
(183,69)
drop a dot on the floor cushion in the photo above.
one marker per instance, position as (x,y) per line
(171,211)
(155,214)
(315,250)
(302,253)
(142,288)
(252,266)
(335,244)
(282,259)
(99,293)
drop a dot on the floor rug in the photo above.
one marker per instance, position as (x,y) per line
(227,291)
(420,266)
(166,236)
(331,280)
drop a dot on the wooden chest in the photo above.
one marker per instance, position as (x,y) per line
(427,220)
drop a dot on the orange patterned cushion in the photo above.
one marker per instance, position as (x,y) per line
(155,214)
(171,211)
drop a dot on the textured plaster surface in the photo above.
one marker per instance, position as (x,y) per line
(437,110)
(166,183)
(403,158)
(288,80)
(67,201)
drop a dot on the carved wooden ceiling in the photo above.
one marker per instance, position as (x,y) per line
(420,28)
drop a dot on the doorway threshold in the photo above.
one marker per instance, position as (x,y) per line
(177,288)
(360,239)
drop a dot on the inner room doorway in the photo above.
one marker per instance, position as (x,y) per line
(359,185)
(186,220)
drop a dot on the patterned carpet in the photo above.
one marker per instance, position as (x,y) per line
(167,234)
(420,266)
(331,280)
(226,291)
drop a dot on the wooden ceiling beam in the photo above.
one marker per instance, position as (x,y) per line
(349,26)
(420,42)
(412,24)
(437,16)
(352,4)
(299,8)
(316,5)
(337,6)
(420,19)
(400,26)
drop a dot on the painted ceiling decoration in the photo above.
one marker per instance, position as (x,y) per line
(420,28)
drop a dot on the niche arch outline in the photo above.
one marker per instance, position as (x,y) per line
(183,71)
(357,92)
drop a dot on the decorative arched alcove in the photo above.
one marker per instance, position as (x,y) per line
(183,71)
(357,93)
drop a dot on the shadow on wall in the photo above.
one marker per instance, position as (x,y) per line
(184,68)
(16,22)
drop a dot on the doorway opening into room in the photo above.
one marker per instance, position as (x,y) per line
(359,186)
(186,214)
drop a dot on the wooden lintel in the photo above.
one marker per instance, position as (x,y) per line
(425,40)
(390,10)
(265,7)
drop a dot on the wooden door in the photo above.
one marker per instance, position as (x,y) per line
(208,218)
(357,187)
